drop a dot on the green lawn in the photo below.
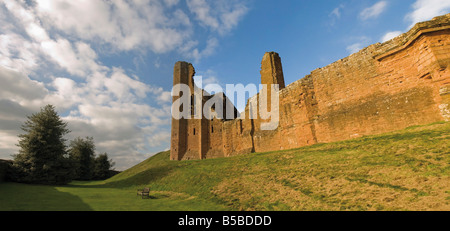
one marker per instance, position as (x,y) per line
(404,170)
(79,196)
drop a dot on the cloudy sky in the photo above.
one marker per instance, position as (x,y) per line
(107,64)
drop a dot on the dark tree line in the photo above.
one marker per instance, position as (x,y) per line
(87,166)
(44,157)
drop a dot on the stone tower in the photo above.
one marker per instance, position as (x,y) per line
(272,70)
(271,73)
(183,73)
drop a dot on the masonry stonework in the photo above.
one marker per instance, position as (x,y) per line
(382,88)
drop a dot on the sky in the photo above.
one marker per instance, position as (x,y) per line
(106,65)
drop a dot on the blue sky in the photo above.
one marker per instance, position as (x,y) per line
(107,65)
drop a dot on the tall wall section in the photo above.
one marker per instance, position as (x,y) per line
(386,87)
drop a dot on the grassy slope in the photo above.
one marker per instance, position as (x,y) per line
(404,170)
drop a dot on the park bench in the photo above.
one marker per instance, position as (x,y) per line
(144,193)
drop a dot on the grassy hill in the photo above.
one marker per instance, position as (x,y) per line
(403,170)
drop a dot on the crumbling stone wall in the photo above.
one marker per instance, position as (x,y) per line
(384,87)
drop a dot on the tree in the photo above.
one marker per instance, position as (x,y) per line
(82,152)
(102,167)
(42,156)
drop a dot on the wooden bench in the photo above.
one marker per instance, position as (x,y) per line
(144,193)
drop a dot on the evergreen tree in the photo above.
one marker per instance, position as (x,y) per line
(82,152)
(103,165)
(42,156)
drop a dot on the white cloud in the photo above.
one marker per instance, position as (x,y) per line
(335,15)
(358,44)
(353,48)
(336,12)
(220,16)
(124,87)
(390,35)
(17,53)
(27,19)
(78,60)
(125,25)
(171,3)
(196,54)
(231,17)
(423,10)
(181,18)
(11,110)
(18,87)
(373,11)
(37,32)
(427,9)
(131,25)
(203,13)
(159,139)
(165,97)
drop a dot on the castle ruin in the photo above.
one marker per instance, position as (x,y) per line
(382,88)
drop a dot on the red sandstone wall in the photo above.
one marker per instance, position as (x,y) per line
(360,95)
(215,144)
(193,140)
(440,46)
(237,138)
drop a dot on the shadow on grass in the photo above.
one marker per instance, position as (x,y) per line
(143,178)
(386,185)
(155,196)
(26,197)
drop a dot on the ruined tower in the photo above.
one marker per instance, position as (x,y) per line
(272,70)
(183,73)
(271,73)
